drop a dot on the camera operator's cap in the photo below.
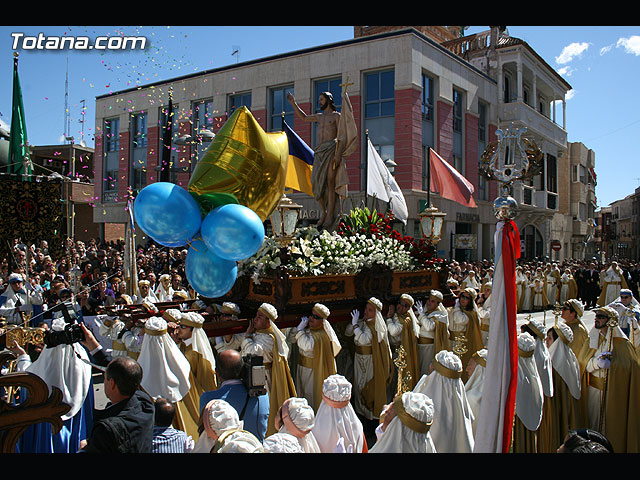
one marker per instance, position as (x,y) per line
(321,310)
(230,308)
(15,277)
(219,416)
(576,305)
(407,298)
(436,295)
(376,303)
(269,310)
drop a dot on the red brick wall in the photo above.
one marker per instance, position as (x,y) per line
(154,153)
(124,161)
(408,139)
(98,169)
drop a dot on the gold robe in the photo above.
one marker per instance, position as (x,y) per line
(374,393)
(523,440)
(622,421)
(203,379)
(324,364)
(559,415)
(580,335)
(409,342)
(282,386)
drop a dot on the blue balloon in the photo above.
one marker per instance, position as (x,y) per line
(167,213)
(208,274)
(233,231)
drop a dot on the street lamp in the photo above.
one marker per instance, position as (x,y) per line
(431,220)
(284,220)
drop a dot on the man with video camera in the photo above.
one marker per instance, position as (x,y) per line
(63,363)
(242,384)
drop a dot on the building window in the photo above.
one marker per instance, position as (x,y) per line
(427,98)
(428,115)
(138,170)
(380,94)
(507,89)
(202,119)
(139,130)
(279,106)
(379,110)
(239,100)
(331,85)
(483,183)
(552,174)
(458,109)
(111,142)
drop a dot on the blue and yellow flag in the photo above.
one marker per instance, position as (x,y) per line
(300,163)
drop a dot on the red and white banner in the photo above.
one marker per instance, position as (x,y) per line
(501,377)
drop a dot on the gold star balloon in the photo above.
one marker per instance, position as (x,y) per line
(244,163)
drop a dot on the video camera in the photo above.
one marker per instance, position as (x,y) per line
(254,375)
(71,333)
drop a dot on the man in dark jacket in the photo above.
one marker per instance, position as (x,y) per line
(126,425)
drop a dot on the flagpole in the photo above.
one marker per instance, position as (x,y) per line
(428,177)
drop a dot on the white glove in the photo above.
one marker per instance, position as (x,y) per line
(340,446)
(303,323)
(603,361)
(355,315)
(419,307)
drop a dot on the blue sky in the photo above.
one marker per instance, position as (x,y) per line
(602,64)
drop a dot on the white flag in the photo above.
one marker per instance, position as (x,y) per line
(381,184)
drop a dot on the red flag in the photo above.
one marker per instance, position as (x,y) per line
(448,182)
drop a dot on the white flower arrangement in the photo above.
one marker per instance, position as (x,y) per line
(314,253)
